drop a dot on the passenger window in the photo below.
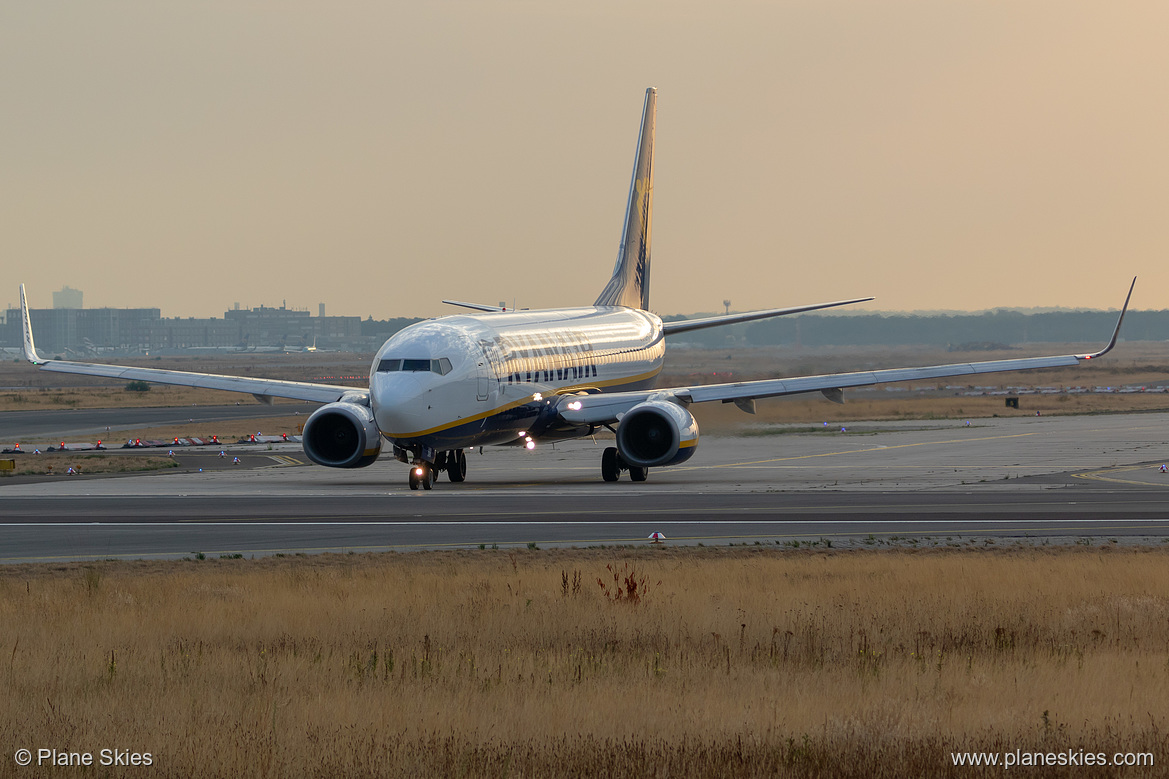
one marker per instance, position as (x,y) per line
(389,365)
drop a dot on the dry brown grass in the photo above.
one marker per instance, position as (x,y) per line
(37,389)
(726,418)
(113,397)
(731,663)
(1131,363)
(59,464)
(229,431)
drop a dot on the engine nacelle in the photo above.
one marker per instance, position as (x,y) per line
(657,433)
(342,435)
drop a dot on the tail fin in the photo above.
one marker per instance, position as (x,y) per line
(630,283)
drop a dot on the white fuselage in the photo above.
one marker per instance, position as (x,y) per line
(472,380)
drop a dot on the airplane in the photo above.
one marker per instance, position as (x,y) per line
(523,377)
(306,348)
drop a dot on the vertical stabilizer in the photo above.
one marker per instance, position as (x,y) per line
(630,283)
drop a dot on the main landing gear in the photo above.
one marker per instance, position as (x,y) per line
(612,463)
(423,474)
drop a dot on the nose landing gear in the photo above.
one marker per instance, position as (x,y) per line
(424,474)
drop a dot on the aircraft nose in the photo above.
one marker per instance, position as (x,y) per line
(397,400)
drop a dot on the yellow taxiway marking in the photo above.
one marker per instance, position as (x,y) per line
(1099,476)
(283,461)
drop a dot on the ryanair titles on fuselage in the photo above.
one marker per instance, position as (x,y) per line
(566,355)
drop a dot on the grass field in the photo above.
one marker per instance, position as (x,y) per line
(58,464)
(741,662)
(602,662)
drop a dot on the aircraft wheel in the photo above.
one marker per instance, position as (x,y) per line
(610,468)
(637,473)
(456,469)
(426,480)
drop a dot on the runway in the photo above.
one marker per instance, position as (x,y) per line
(1032,480)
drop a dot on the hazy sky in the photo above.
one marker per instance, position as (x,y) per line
(380,156)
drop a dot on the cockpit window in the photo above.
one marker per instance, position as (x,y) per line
(441,366)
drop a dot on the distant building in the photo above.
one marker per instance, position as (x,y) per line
(67,298)
(194,332)
(266,326)
(77,331)
(66,330)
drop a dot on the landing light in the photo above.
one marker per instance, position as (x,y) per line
(537,396)
(523,433)
(530,444)
(574,405)
(418,471)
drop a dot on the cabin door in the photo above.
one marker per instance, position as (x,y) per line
(483,381)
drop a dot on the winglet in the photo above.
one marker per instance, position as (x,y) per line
(30,349)
(1116,332)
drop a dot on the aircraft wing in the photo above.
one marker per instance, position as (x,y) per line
(263,389)
(602,408)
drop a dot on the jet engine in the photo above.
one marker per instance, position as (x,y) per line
(657,433)
(342,435)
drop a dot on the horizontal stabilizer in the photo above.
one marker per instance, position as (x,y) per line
(685,326)
(476,306)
